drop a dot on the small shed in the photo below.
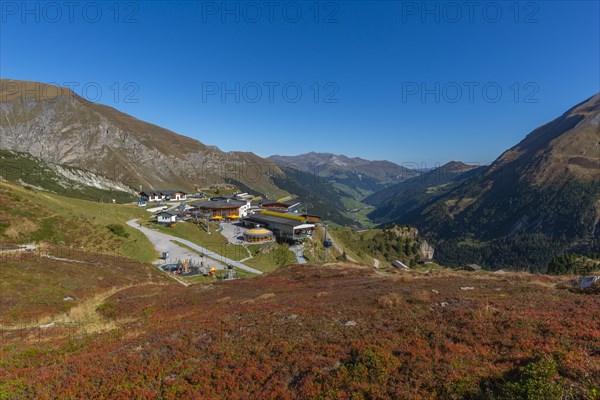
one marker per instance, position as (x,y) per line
(472,267)
(400,265)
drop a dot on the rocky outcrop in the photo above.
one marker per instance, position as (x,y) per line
(27,170)
(426,251)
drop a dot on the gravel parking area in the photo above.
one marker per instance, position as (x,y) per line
(162,242)
(234,232)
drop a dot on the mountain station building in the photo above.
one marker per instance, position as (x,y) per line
(284,226)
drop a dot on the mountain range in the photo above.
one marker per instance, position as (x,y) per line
(355,176)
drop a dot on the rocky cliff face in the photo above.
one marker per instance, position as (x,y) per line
(427,251)
(60,127)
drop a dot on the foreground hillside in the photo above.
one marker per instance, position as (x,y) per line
(332,332)
(39,288)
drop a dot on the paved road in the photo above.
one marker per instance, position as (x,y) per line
(162,242)
(298,252)
(337,246)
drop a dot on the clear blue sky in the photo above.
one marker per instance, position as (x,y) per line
(373,59)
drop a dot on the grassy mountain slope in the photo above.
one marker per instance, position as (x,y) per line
(35,288)
(66,224)
(537,200)
(395,201)
(391,243)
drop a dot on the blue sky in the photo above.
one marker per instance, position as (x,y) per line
(410,82)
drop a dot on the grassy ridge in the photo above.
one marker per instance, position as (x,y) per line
(31,216)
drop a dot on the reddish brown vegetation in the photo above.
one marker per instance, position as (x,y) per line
(418,338)
(33,286)
(389,300)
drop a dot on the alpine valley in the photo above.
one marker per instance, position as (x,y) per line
(537,201)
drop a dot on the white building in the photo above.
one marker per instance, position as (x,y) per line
(167,217)
(164,195)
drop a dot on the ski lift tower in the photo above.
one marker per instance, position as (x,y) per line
(207,224)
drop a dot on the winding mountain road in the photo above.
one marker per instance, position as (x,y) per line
(336,246)
(163,242)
